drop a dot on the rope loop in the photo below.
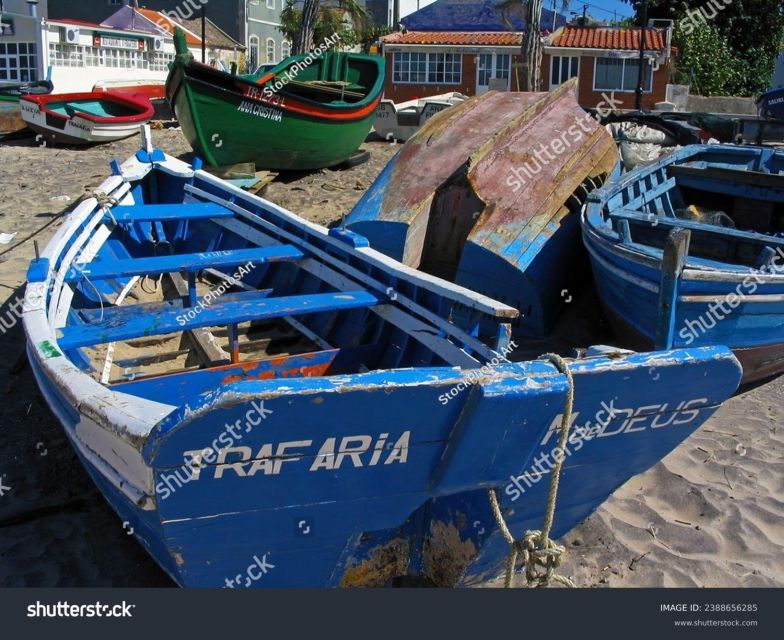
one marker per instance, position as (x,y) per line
(540,555)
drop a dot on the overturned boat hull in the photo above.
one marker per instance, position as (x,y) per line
(497,210)
(359,447)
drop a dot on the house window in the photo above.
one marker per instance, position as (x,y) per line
(428,68)
(562,68)
(285,49)
(253,54)
(410,67)
(620,74)
(443,68)
(270,50)
(502,63)
(270,4)
(18,61)
(492,65)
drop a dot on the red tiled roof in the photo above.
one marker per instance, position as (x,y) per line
(466,38)
(608,38)
(164,22)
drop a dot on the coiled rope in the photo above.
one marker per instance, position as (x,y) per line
(541,555)
(105,202)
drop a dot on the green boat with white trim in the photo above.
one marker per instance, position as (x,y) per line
(308,112)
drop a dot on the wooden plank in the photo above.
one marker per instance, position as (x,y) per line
(207,348)
(676,249)
(253,307)
(304,232)
(296,324)
(344,282)
(738,176)
(320,87)
(265,178)
(150,308)
(190,262)
(728,233)
(167,212)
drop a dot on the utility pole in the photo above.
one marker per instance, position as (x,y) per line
(585,8)
(203,34)
(641,70)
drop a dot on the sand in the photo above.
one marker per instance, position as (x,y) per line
(710,514)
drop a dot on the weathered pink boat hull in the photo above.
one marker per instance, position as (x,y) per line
(486,194)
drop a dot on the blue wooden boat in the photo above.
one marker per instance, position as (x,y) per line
(487,194)
(269,403)
(723,286)
(770,105)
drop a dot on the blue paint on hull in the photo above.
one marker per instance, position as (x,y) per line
(370,460)
(627,269)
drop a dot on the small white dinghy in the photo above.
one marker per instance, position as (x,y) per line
(398,122)
(86,118)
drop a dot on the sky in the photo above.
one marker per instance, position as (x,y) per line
(599,9)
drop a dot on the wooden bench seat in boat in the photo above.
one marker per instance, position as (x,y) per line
(255,305)
(701,170)
(166,212)
(189,262)
(636,217)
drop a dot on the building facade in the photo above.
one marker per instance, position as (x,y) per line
(253,23)
(454,45)
(20,42)
(421,64)
(220,50)
(605,61)
(77,54)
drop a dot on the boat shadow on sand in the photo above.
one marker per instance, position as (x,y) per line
(56,530)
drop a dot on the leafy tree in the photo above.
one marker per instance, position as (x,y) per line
(747,33)
(706,62)
(319,19)
(371,34)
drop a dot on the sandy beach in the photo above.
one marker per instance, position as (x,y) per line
(709,515)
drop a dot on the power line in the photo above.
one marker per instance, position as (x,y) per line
(598,8)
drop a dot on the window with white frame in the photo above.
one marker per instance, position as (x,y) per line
(409,67)
(72,55)
(270,4)
(492,65)
(253,53)
(621,74)
(18,61)
(285,49)
(443,68)
(427,68)
(563,68)
(270,50)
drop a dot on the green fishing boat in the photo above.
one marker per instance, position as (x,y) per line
(308,112)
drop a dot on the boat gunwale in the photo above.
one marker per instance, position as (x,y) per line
(352,114)
(597,228)
(146,111)
(373,93)
(103,404)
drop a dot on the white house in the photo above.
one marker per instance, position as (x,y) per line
(127,46)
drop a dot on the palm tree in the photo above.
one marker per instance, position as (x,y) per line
(303,24)
(530,11)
